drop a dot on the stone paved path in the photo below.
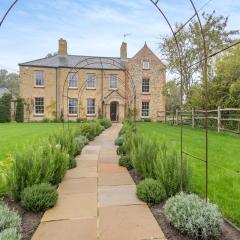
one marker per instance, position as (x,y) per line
(97,200)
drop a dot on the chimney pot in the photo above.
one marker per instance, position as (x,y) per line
(62,47)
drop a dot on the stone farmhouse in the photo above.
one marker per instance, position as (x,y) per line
(73,86)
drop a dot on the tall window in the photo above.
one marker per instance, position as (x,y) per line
(145,109)
(39,105)
(72,80)
(72,105)
(113,81)
(145,85)
(90,106)
(146,64)
(39,78)
(91,81)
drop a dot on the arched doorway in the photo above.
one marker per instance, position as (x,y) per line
(114,111)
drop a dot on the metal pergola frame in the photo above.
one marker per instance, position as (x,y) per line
(204,60)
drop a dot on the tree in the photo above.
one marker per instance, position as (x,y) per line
(224,88)
(5,108)
(9,81)
(20,110)
(191,47)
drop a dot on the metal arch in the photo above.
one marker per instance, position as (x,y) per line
(205,79)
(7,12)
(76,69)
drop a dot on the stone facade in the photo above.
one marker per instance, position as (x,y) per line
(113,103)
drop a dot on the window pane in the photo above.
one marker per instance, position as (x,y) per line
(146,64)
(145,109)
(72,105)
(39,78)
(39,105)
(91,81)
(145,85)
(113,81)
(90,106)
(72,80)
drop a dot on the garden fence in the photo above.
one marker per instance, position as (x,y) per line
(221,119)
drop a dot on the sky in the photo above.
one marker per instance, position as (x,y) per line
(93,27)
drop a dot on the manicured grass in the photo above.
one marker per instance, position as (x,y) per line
(14,135)
(224,162)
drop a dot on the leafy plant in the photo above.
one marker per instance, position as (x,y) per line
(150,191)
(72,163)
(9,219)
(105,123)
(90,129)
(125,161)
(193,216)
(173,175)
(119,141)
(39,197)
(10,234)
(20,110)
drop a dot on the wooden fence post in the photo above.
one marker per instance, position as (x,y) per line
(219,119)
(193,118)
(177,116)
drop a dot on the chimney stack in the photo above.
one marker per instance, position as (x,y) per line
(62,47)
(123,51)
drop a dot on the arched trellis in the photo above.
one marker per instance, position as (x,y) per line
(205,58)
(88,63)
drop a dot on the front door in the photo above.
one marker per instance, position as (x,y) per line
(113,111)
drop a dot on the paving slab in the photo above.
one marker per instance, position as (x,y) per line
(91,149)
(117,195)
(78,186)
(110,168)
(90,172)
(85,229)
(89,157)
(86,164)
(108,159)
(74,206)
(113,179)
(134,222)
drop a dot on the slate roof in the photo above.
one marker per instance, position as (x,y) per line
(71,61)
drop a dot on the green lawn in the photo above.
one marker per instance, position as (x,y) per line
(224,150)
(14,135)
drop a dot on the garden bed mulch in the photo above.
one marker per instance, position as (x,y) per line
(30,221)
(228,233)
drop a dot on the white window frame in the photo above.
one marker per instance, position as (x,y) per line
(91,81)
(72,78)
(39,108)
(146,64)
(145,86)
(39,82)
(91,107)
(72,106)
(113,82)
(145,109)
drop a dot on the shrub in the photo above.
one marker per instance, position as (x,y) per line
(39,197)
(10,234)
(9,219)
(80,120)
(5,108)
(150,191)
(105,123)
(143,155)
(121,150)
(125,161)
(174,175)
(89,129)
(119,140)
(46,120)
(102,128)
(34,164)
(20,110)
(193,216)
(72,163)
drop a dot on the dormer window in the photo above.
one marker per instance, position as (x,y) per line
(39,79)
(146,64)
(72,80)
